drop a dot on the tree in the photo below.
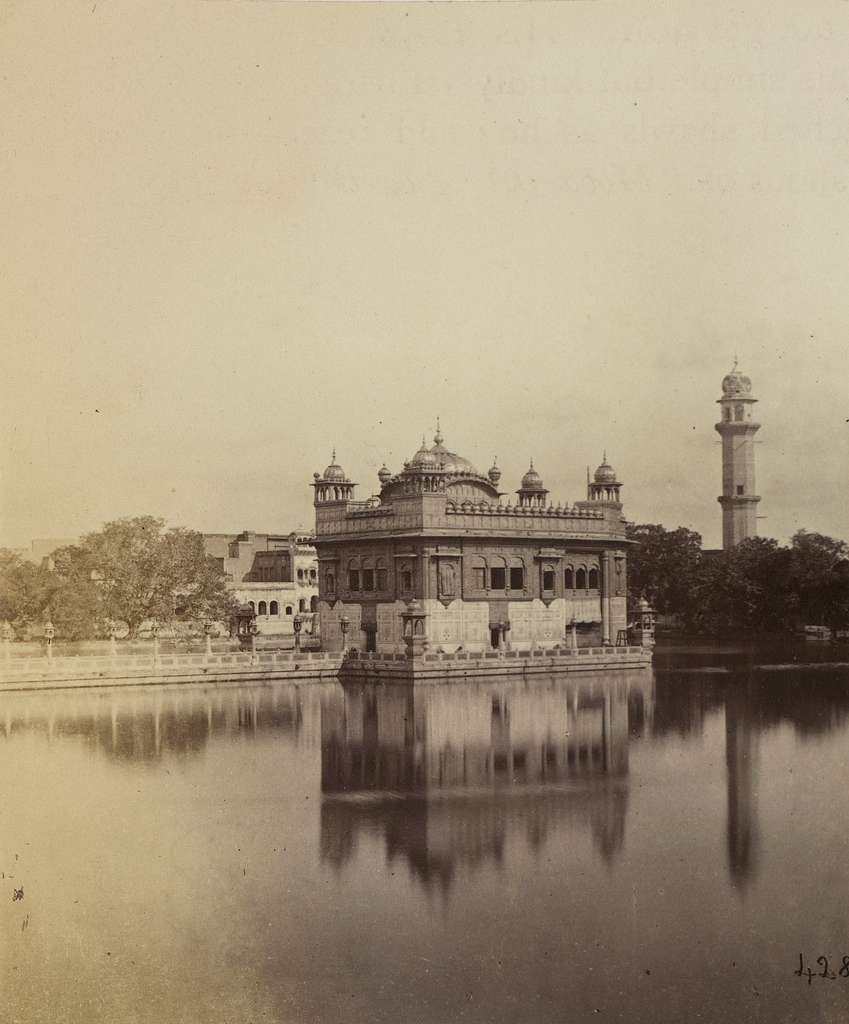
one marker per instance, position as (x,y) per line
(744,589)
(23,593)
(820,567)
(144,573)
(663,566)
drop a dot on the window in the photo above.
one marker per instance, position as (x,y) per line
(253,606)
(517,578)
(330,583)
(312,575)
(726,413)
(274,608)
(406,580)
(738,412)
(581,579)
(497,577)
(368,579)
(593,579)
(381,579)
(479,577)
(569,579)
(548,578)
(739,488)
(288,609)
(353,579)
(300,574)
(263,608)
(313,603)
(302,604)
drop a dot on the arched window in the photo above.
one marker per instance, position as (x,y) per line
(330,584)
(313,603)
(581,579)
(288,609)
(517,574)
(263,608)
(274,608)
(593,579)
(368,575)
(498,574)
(253,606)
(548,578)
(738,412)
(302,605)
(478,573)
(380,574)
(569,578)
(354,574)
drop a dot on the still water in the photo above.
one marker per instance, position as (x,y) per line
(561,850)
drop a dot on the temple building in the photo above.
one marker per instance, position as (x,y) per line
(479,569)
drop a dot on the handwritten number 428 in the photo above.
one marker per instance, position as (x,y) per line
(808,972)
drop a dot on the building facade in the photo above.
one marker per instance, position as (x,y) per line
(737,429)
(276,574)
(481,572)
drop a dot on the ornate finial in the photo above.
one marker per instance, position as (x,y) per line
(532,462)
(437,437)
(734,367)
(333,456)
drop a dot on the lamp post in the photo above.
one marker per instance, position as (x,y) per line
(297,625)
(207,628)
(254,630)
(113,640)
(344,625)
(154,632)
(49,633)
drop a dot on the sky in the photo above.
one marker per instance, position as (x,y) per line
(239,233)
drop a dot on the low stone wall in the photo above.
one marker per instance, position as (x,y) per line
(466,665)
(146,669)
(136,670)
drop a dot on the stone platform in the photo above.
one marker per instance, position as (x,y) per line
(446,668)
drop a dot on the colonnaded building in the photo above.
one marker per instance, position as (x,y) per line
(482,572)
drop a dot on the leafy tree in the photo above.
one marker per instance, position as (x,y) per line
(820,566)
(23,592)
(143,572)
(663,566)
(747,588)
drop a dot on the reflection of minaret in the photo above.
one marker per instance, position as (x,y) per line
(741,759)
(738,499)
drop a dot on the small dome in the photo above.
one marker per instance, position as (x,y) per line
(605,474)
(384,474)
(736,384)
(494,473)
(532,481)
(334,472)
(423,459)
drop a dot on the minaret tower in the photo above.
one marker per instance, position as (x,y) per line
(737,430)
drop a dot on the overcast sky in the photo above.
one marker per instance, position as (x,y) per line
(239,233)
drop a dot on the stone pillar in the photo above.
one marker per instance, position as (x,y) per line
(604,565)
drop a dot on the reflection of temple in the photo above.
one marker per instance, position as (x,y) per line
(145,726)
(476,764)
